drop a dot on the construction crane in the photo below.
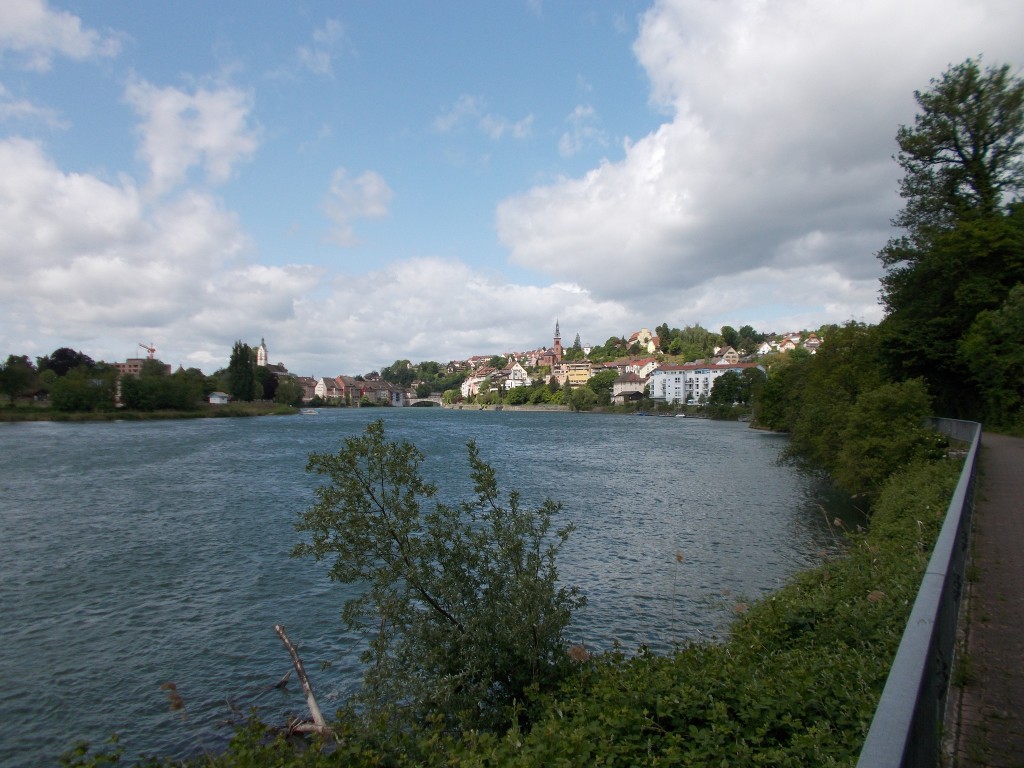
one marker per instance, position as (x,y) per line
(149,348)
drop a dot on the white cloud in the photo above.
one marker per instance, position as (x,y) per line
(465,108)
(431,309)
(472,110)
(583,131)
(22,110)
(318,57)
(88,259)
(38,34)
(210,128)
(497,127)
(775,158)
(367,196)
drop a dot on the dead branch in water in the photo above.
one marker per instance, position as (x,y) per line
(319,725)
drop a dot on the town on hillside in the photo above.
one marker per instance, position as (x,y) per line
(643,365)
(669,366)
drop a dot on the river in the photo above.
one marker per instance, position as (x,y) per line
(137,554)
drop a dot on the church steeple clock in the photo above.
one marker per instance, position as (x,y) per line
(556,347)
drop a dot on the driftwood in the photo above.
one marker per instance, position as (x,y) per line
(319,725)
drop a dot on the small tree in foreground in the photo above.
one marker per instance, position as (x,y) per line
(462,604)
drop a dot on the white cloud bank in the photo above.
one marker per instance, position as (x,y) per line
(36,34)
(765,196)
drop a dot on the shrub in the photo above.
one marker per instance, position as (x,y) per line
(462,603)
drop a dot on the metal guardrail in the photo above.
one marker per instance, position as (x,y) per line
(906,727)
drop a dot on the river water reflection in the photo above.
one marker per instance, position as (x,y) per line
(140,554)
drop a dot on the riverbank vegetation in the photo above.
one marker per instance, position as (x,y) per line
(43,412)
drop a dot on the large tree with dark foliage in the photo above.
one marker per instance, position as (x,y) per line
(243,382)
(63,360)
(962,247)
(16,376)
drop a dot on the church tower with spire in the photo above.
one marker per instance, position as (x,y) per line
(556,346)
(262,353)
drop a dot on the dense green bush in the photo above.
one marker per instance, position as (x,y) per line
(886,428)
(462,608)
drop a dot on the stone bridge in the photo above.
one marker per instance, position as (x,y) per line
(423,402)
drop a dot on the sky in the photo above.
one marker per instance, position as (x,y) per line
(364,182)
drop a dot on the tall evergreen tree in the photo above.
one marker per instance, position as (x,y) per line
(242,379)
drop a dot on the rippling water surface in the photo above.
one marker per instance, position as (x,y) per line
(138,554)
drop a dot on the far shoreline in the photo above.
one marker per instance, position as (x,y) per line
(21,414)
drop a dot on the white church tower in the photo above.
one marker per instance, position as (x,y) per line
(261,353)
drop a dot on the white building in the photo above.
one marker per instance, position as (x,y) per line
(516,376)
(507,378)
(690,382)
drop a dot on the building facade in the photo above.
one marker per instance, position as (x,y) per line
(691,382)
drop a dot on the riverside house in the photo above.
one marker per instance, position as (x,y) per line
(690,382)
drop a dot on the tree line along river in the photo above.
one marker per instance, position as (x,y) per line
(137,554)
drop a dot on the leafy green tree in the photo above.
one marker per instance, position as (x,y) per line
(401,372)
(268,382)
(730,336)
(288,392)
(62,361)
(776,404)
(154,390)
(541,393)
(885,431)
(820,390)
(753,380)
(582,399)
(613,347)
(518,396)
(732,388)
(462,601)
(749,338)
(17,376)
(726,389)
(483,388)
(962,247)
(601,384)
(691,343)
(993,351)
(242,378)
(84,389)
